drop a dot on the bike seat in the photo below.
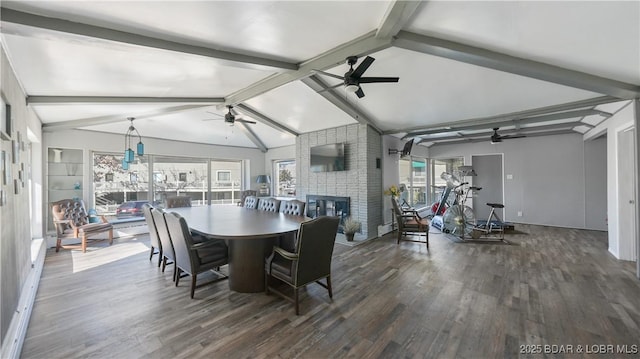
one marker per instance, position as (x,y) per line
(495,205)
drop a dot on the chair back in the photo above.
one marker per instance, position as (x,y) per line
(178,202)
(182,241)
(163,233)
(314,249)
(251,202)
(293,207)
(246,194)
(396,206)
(269,205)
(70,209)
(154,239)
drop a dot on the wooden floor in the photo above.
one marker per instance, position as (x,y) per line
(550,287)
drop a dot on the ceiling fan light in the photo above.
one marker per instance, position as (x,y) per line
(351,88)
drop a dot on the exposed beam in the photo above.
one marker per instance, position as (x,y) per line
(398,14)
(317,84)
(363,45)
(515,65)
(521,131)
(251,135)
(72,100)
(250,111)
(517,122)
(97,32)
(513,115)
(71,124)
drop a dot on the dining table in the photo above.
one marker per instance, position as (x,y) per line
(250,235)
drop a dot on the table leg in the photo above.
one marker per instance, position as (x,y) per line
(246,263)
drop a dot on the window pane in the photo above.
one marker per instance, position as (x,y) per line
(180,176)
(285,183)
(113,186)
(419,183)
(448,165)
(226,187)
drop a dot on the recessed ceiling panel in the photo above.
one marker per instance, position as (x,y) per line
(596,37)
(433,90)
(301,109)
(62,68)
(294,30)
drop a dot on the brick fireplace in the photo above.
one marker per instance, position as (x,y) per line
(328,206)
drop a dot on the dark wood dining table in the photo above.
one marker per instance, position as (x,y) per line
(250,235)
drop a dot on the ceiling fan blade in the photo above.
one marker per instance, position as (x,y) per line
(330,74)
(213,113)
(213,119)
(365,80)
(364,65)
(360,93)
(244,121)
(329,88)
(513,136)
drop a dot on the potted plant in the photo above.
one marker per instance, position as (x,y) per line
(350,227)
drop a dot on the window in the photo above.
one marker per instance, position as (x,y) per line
(113,186)
(439,166)
(225,189)
(285,180)
(180,176)
(413,181)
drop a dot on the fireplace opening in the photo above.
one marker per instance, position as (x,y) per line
(329,206)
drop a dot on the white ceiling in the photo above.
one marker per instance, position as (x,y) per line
(172,61)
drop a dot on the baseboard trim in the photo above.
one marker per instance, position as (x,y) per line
(12,345)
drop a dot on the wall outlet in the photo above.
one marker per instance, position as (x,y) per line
(509,176)
(519,213)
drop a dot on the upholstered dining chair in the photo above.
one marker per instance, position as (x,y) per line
(296,208)
(251,202)
(410,224)
(194,258)
(154,239)
(178,202)
(269,204)
(245,194)
(71,220)
(310,262)
(168,255)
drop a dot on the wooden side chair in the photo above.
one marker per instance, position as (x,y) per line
(71,220)
(310,262)
(195,258)
(410,224)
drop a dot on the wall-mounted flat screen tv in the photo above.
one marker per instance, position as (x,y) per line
(327,158)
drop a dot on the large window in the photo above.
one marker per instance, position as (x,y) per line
(180,176)
(113,186)
(439,166)
(225,188)
(413,181)
(285,183)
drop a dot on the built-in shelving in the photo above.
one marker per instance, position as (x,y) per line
(64,175)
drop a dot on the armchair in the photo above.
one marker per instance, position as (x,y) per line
(72,221)
(310,262)
(410,223)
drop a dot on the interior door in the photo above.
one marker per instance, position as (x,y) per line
(626,195)
(489,176)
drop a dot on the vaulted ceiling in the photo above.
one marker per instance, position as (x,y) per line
(531,68)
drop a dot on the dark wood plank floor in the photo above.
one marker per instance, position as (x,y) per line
(551,287)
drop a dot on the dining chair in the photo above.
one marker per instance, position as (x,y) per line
(296,208)
(410,224)
(178,202)
(245,194)
(310,262)
(251,202)
(269,204)
(168,255)
(71,221)
(154,239)
(195,258)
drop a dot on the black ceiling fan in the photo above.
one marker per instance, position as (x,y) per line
(496,137)
(230,117)
(353,78)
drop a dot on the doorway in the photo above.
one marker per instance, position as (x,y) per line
(626,195)
(489,176)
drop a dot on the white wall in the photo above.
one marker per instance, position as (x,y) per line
(548,182)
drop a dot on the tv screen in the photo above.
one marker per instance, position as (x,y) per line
(327,158)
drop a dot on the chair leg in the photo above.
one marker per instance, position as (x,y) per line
(176,276)
(295,297)
(84,243)
(151,254)
(193,284)
(111,236)
(399,236)
(329,286)
(58,244)
(160,257)
(164,263)
(266,283)
(427,238)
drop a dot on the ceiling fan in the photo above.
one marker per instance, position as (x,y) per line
(496,137)
(353,78)
(230,117)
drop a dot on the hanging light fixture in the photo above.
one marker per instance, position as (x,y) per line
(128,152)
